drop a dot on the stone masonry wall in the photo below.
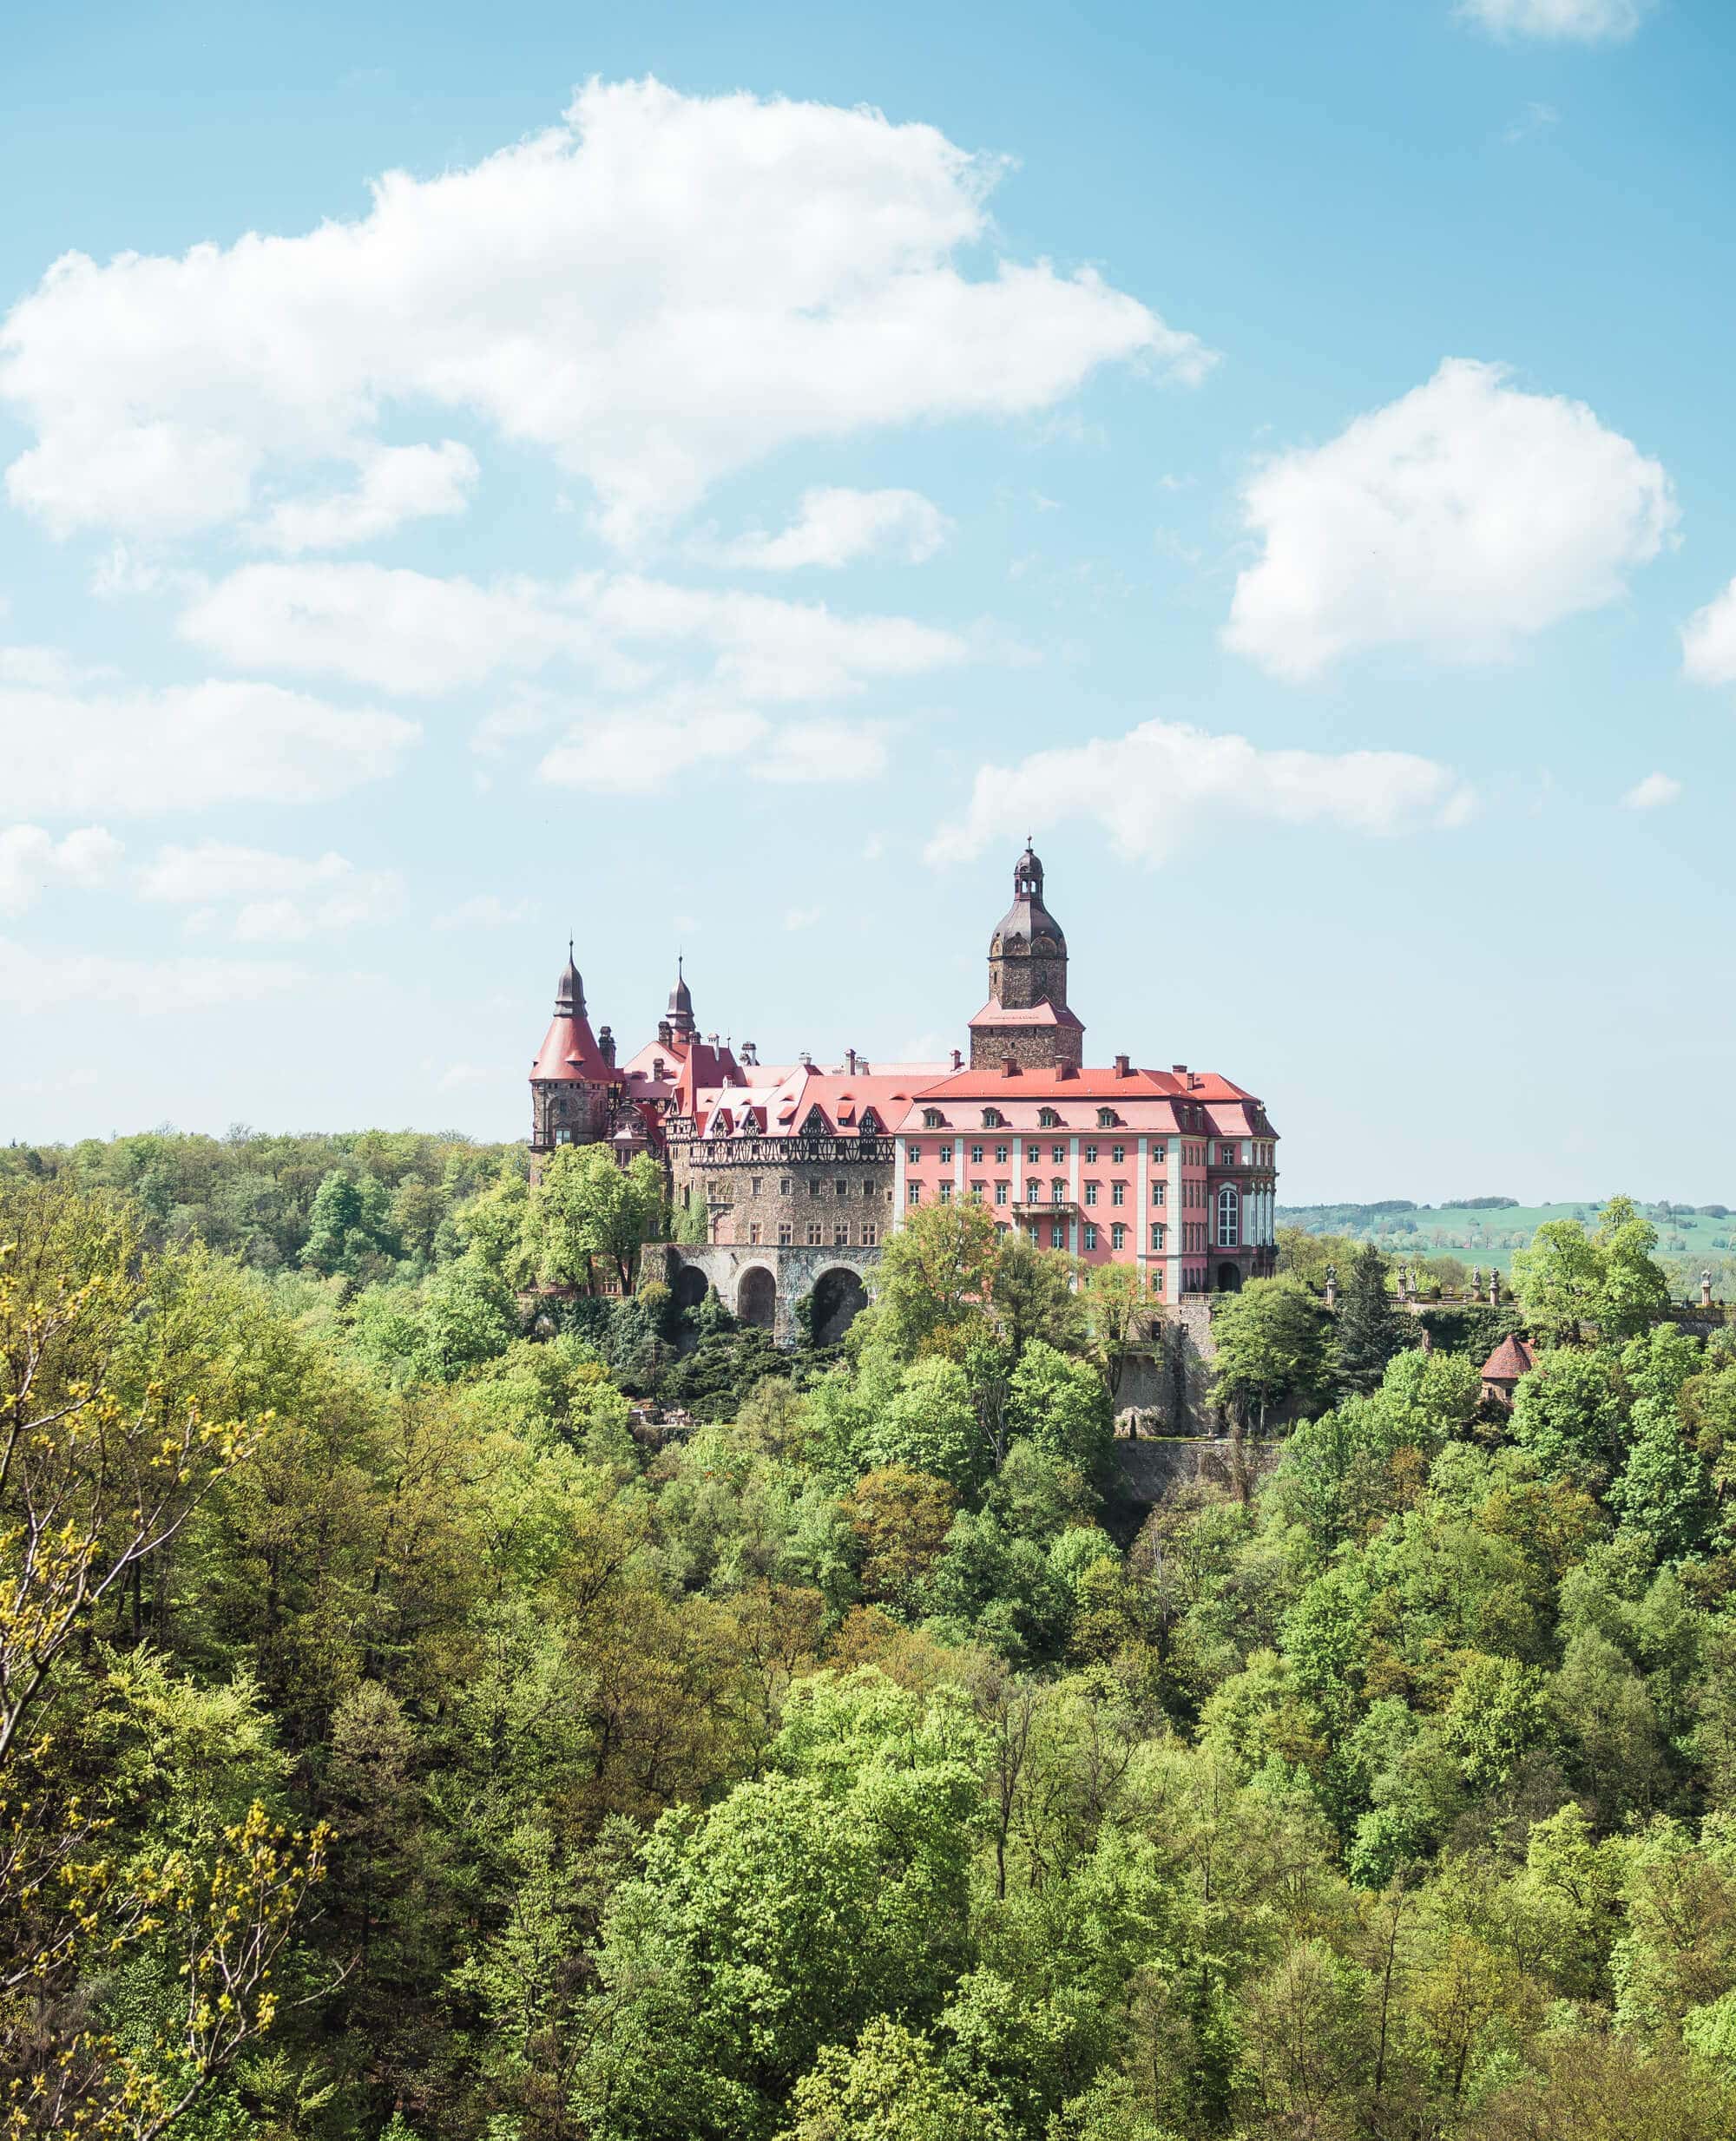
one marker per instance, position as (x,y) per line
(753,1191)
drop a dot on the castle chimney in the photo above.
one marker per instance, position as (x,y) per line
(606,1045)
(1010,1067)
(1123,1069)
(850,1061)
(957,1060)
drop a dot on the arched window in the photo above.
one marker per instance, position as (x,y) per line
(993,1119)
(1048,1119)
(1106,1118)
(932,1119)
(1229,1217)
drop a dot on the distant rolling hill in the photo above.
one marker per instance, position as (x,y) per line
(1487,1231)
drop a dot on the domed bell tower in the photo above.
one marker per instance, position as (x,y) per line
(1026,1017)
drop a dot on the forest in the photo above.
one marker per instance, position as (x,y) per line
(405,1734)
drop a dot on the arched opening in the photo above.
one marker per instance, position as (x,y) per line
(838,1298)
(691,1287)
(1229,1278)
(756,1297)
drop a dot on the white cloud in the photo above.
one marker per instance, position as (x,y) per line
(642,752)
(282,898)
(825,749)
(1709,640)
(411,632)
(459,1077)
(32,981)
(833,527)
(487,911)
(42,668)
(1459,519)
(801,262)
(33,860)
(1655,789)
(187,747)
(647,748)
(396,483)
(1149,788)
(803,917)
(1585,22)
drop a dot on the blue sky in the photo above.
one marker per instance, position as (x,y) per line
(753,464)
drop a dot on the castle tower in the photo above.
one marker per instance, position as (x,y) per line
(569,1079)
(1026,1017)
(682,1023)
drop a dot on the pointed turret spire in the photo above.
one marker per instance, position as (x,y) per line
(570,990)
(681,1021)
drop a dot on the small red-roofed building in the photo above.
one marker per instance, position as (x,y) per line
(1505,1369)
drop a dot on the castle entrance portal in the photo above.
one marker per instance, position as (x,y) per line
(756,1298)
(839,1298)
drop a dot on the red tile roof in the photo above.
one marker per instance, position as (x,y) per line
(569,1052)
(993,1014)
(1510,1360)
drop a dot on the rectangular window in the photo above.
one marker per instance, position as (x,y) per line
(1090,1233)
(1157,1192)
(946,1192)
(1033,1191)
(1118,1236)
(754,1230)
(814,1187)
(1000,1155)
(1157,1236)
(754,1185)
(1157,1280)
(870,1234)
(840,1235)
(913,1191)
(977,1192)
(1057,1235)
(1033,1155)
(786,1234)
(946,1155)
(1090,1192)
(1118,1153)
(1058,1154)
(1118,1192)
(1226,1155)
(813,1233)
(1057,1192)
(1090,1155)
(975,1155)
(1001,1192)
(783,1189)
(913,1151)
(840,1189)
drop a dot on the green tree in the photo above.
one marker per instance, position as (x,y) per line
(350,1231)
(1274,1343)
(936,1277)
(1569,1281)
(1370,1329)
(587,1211)
(1061,1405)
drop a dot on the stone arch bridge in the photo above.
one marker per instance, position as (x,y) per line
(762,1285)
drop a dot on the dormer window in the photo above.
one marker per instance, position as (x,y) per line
(871,1123)
(1106,1118)
(933,1120)
(993,1119)
(1048,1119)
(816,1125)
